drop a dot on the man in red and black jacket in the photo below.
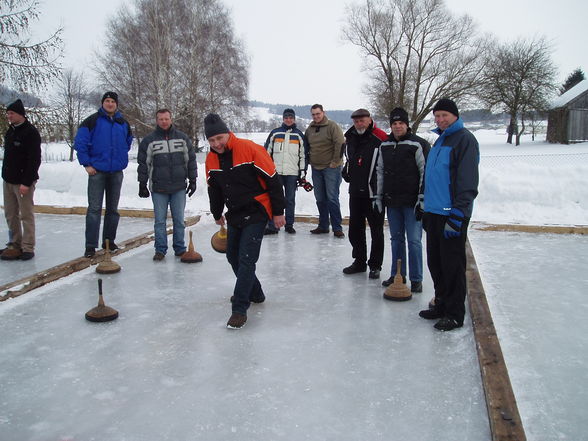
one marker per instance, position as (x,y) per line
(361,153)
(242,177)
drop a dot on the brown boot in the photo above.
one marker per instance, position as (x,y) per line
(11,253)
(236,321)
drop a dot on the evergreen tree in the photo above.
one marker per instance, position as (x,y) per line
(574,78)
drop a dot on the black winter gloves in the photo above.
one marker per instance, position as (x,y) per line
(191,189)
(143,191)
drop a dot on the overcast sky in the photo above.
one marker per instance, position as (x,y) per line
(296,52)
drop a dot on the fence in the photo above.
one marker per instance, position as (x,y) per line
(545,160)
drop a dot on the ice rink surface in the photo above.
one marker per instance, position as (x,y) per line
(60,239)
(536,288)
(324,358)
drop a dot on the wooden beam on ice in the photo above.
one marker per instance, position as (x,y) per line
(503,413)
(26,284)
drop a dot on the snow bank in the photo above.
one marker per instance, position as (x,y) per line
(536,183)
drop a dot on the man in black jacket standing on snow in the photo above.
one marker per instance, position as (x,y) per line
(361,152)
(20,172)
(167,160)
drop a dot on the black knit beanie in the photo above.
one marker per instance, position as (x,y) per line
(289,112)
(447,105)
(112,95)
(17,107)
(399,114)
(214,125)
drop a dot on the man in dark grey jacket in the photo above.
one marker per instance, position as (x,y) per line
(167,160)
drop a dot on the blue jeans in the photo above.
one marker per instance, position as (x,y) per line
(243,246)
(402,220)
(289,182)
(326,192)
(177,203)
(99,184)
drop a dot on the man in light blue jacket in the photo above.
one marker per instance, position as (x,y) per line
(102,144)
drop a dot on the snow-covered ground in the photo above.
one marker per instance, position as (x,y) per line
(534,183)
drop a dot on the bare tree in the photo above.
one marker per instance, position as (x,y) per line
(178,54)
(416,53)
(520,79)
(70,104)
(25,64)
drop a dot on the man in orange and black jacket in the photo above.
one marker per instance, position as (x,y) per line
(242,177)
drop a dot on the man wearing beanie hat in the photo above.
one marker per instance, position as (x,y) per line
(241,176)
(102,144)
(400,174)
(451,185)
(361,151)
(20,172)
(288,148)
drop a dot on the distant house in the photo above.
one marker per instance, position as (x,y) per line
(568,116)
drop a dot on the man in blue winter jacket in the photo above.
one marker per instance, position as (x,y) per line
(451,185)
(102,144)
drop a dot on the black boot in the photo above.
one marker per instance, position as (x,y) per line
(355,267)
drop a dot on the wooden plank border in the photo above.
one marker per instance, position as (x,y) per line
(26,284)
(542,229)
(503,413)
(125,212)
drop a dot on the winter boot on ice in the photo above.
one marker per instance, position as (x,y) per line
(355,267)
(447,324)
(236,321)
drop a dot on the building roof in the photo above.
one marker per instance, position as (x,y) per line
(571,94)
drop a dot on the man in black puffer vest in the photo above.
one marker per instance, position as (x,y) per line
(20,172)
(400,171)
(361,152)
(167,160)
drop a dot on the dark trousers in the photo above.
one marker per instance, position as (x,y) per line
(243,245)
(289,182)
(98,185)
(360,210)
(446,259)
